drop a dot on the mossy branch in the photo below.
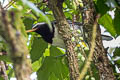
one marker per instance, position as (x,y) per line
(11,29)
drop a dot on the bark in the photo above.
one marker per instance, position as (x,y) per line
(100,57)
(3,73)
(64,30)
(10,30)
(90,56)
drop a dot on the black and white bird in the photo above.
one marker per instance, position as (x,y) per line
(53,37)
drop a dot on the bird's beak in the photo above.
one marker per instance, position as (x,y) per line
(32,30)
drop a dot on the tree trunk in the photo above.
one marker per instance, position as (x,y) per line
(100,57)
(64,30)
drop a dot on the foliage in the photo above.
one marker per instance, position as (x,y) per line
(46,59)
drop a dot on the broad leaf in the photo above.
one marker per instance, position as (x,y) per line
(101,7)
(106,21)
(116,21)
(38,48)
(36,65)
(28,22)
(55,66)
(54,51)
(37,11)
(117,52)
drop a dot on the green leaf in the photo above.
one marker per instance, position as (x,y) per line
(28,22)
(37,11)
(118,63)
(117,52)
(106,21)
(5,58)
(10,72)
(1,78)
(38,48)
(101,7)
(95,71)
(60,69)
(36,65)
(68,15)
(54,51)
(116,21)
(53,77)
(53,65)
(46,68)
(68,3)
(51,17)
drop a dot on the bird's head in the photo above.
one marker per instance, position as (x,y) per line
(44,30)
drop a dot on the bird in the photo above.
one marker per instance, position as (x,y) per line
(53,37)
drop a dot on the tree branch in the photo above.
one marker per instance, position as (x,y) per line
(10,30)
(89,59)
(64,30)
(9,4)
(3,69)
(100,57)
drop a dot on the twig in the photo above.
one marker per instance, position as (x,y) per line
(100,58)
(88,62)
(9,4)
